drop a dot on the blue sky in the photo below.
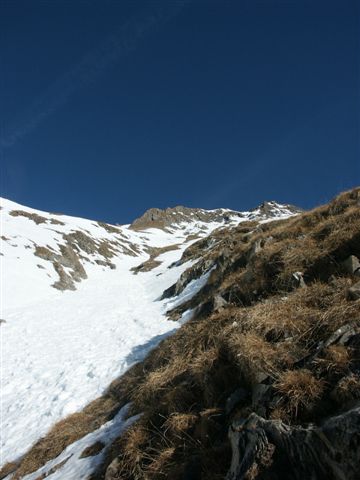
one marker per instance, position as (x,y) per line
(111,107)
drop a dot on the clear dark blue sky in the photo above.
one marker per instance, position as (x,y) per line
(111,107)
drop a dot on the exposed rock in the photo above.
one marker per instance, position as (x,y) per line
(151,263)
(273,209)
(352,265)
(31,216)
(255,249)
(163,219)
(238,396)
(259,392)
(331,451)
(219,303)
(70,259)
(80,240)
(110,228)
(93,449)
(65,282)
(192,273)
(106,264)
(354,291)
(71,256)
(344,333)
(54,221)
(299,279)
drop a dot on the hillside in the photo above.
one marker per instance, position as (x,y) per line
(231,339)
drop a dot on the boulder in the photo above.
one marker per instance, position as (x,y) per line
(351,265)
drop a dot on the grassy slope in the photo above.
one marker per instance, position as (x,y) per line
(267,344)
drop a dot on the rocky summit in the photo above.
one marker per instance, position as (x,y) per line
(191,344)
(173,217)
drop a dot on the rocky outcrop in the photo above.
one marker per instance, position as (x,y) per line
(67,259)
(273,209)
(68,264)
(352,265)
(35,217)
(271,449)
(151,262)
(171,217)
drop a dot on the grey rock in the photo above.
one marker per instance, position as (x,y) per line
(299,279)
(258,393)
(238,396)
(330,451)
(255,249)
(351,265)
(219,303)
(354,291)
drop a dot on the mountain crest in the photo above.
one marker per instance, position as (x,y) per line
(172,217)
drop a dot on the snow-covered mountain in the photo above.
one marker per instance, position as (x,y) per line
(76,290)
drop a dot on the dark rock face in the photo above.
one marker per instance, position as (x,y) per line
(271,449)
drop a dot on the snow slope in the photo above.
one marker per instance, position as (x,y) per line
(51,339)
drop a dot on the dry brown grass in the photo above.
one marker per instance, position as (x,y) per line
(270,328)
(8,468)
(347,389)
(335,359)
(31,216)
(301,389)
(161,462)
(151,262)
(66,432)
(180,422)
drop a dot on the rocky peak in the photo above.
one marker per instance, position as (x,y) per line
(165,218)
(171,217)
(271,209)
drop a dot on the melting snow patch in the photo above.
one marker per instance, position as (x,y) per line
(70,466)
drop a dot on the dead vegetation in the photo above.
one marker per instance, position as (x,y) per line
(35,217)
(66,432)
(151,262)
(31,216)
(74,253)
(275,350)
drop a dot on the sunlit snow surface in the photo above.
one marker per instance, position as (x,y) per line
(60,350)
